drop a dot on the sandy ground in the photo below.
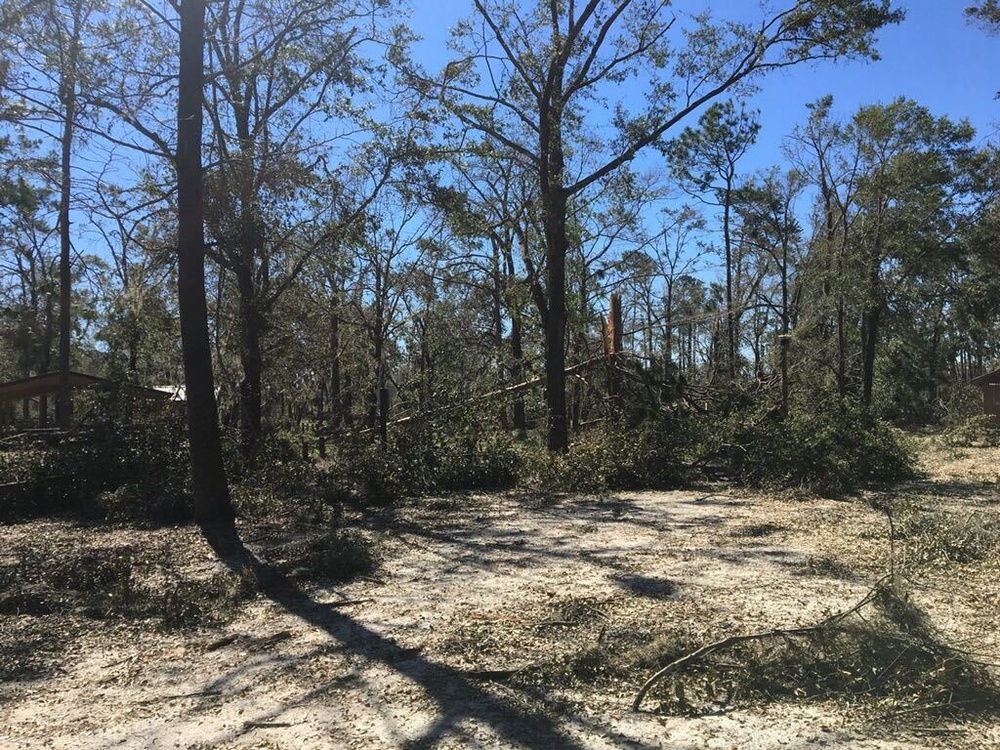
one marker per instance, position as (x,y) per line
(473,589)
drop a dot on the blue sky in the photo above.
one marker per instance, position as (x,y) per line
(934,57)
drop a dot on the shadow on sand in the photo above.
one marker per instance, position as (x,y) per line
(459,697)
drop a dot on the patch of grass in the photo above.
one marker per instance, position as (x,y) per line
(330,556)
(940,537)
(121,582)
(757,530)
(886,655)
(826,567)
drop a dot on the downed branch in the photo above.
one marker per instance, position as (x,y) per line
(724,643)
(884,649)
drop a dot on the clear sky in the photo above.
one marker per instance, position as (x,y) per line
(934,57)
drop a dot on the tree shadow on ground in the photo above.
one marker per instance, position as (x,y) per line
(958,489)
(459,696)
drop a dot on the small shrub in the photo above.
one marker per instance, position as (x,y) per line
(974,431)
(939,537)
(546,471)
(831,450)
(427,457)
(185,603)
(332,556)
(654,454)
(122,582)
(133,504)
(961,400)
(115,468)
(474,461)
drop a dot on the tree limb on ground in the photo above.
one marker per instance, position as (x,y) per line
(710,648)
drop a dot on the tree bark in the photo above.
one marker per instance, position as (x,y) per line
(520,421)
(211,494)
(337,405)
(554,215)
(727,241)
(869,341)
(555,323)
(251,363)
(67,97)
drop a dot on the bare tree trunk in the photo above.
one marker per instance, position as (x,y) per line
(785,328)
(67,97)
(211,494)
(616,322)
(251,362)
(557,246)
(869,341)
(336,391)
(520,422)
(730,310)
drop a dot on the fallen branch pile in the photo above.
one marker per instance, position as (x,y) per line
(880,648)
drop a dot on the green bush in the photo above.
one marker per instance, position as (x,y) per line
(330,556)
(120,582)
(116,468)
(428,457)
(939,537)
(655,454)
(280,483)
(830,450)
(474,461)
(974,430)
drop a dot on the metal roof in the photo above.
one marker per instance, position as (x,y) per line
(987,378)
(47,384)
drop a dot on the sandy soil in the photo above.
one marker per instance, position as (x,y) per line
(473,591)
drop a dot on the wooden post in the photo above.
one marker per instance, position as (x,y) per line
(613,339)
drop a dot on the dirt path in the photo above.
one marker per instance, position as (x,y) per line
(475,593)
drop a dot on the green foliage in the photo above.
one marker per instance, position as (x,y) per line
(429,457)
(281,482)
(986,14)
(828,449)
(938,537)
(959,402)
(974,430)
(831,450)
(330,556)
(118,469)
(461,456)
(653,454)
(119,582)
(887,654)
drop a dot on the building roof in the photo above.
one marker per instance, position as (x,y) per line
(987,378)
(47,384)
